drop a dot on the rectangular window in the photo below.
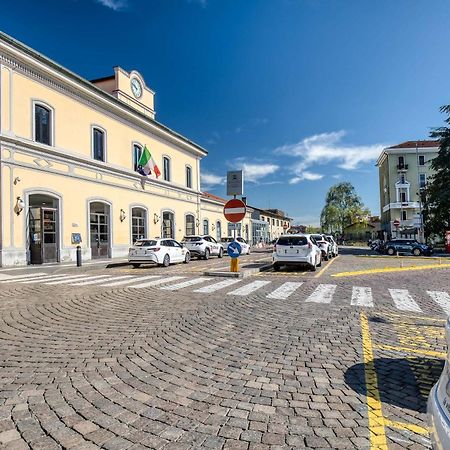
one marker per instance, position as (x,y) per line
(403,197)
(404,215)
(42,125)
(137,153)
(190,225)
(166,168)
(188,177)
(422,180)
(401,161)
(98,140)
(421,160)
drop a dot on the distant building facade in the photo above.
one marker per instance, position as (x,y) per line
(404,170)
(277,224)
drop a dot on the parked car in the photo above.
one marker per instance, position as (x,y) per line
(296,249)
(324,245)
(203,246)
(225,241)
(407,246)
(333,245)
(157,251)
(438,404)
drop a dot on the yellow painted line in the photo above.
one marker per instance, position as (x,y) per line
(415,258)
(405,426)
(377,432)
(436,319)
(424,352)
(326,267)
(391,269)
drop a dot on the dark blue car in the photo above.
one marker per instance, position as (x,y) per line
(407,247)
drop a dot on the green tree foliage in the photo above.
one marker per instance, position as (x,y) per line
(436,197)
(342,207)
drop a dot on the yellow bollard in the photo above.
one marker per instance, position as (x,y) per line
(234,265)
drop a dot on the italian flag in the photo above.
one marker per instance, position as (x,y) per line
(148,164)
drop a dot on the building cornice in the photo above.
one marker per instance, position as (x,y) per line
(27,60)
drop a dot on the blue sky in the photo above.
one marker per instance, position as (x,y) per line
(301,94)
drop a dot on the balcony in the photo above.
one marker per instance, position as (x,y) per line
(402,167)
(401,205)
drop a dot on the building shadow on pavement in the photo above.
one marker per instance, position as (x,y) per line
(402,382)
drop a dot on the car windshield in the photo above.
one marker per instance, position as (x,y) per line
(227,239)
(192,239)
(318,237)
(292,240)
(145,243)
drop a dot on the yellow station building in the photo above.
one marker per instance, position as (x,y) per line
(69,153)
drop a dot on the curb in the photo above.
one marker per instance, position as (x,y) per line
(241,274)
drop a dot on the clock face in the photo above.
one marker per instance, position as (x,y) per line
(136,87)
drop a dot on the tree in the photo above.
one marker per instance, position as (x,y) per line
(342,207)
(436,197)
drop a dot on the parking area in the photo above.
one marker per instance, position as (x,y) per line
(168,358)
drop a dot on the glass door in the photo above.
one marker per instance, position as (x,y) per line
(99,229)
(49,235)
(34,224)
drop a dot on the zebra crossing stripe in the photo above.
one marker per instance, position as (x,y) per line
(69,279)
(249,288)
(322,294)
(93,280)
(442,299)
(183,284)
(285,290)
(46,278)
(403,301)
(362,296)
(155,282)
(216,286)
(131,278)
(13,278)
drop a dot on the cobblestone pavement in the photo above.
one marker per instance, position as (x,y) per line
(91,361)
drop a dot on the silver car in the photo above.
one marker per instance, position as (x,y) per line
(203,246)
(296,249)
(333,245)
(439,404)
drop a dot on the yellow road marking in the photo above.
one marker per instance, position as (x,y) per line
(326,267)
(393,348)
(414,317)
(391,269)
(415,258)
(405,426)
(374,411)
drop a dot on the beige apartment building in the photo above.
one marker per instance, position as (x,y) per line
(69,158)
(277,223)
(403,172)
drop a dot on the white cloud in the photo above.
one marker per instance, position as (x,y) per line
(115,5)
(253,172)
(305,175)
(209,180)
(321,149)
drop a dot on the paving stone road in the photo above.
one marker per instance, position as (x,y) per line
(91,361)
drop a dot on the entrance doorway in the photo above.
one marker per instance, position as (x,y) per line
(43,229)
(99,226)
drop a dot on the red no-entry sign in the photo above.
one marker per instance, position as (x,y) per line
(396,223)
(234,210)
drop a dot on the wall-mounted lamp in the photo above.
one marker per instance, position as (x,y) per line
(20,204)
(197,223)
(16,180)
(213,227)
(155,218)
(122,215)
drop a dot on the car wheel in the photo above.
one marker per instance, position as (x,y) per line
(276,267)
(320,263)
(391,251)
(206,254)
(417,252)
(221,253)
(187,258)
(135,266)
(166,261)
(326,258)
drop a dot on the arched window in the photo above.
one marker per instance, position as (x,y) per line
(206,226)
(138,224)
(218,230)
(43,124)
(137,153)
(190,225)
(98,144)
(188,177)
(168,228)
(166,168)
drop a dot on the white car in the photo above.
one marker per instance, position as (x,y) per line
(334,246)
(157,251)
(324,245)
(225,241)
(203,246)
(296,249)
(438,407)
